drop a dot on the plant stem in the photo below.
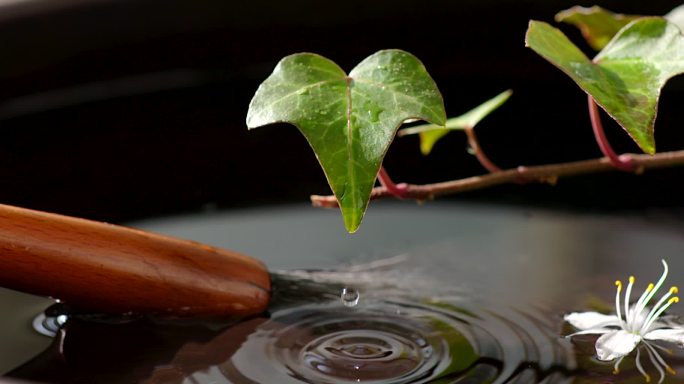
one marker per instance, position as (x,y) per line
(397,190)
(479,153)
(540,173)
(624,162)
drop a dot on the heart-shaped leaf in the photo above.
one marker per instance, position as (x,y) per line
(626,77)
(431,133)
(349,120)
(598,25)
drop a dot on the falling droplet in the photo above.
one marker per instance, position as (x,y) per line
(350,297)
(49,325)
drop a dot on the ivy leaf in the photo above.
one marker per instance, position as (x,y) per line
(598,25)
(431,133)
(626,77)
(349,120)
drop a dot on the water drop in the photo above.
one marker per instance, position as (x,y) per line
(49,325)
(350,297)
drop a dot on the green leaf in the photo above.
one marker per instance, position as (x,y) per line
(431,133)
(626,77)
(598,25)
(349,121)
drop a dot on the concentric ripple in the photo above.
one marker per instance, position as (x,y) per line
(398,342)
(352,347)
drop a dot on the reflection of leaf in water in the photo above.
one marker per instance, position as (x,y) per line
(462,355)
(597,304)
(451,308)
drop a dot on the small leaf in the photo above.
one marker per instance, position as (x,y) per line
(430,133)
(626,77)
(349,121)
(598,25)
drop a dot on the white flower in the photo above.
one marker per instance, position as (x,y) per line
(640,324)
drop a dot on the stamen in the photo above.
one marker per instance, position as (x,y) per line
(653,292)
(666,350)
(628,294)
(640,305)
(616,367)
(653,354)
(658,284)
(640,367)
(657,307)
(618,283)
(653,316)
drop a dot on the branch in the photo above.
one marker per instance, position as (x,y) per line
(540,173)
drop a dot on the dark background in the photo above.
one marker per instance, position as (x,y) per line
(117,110)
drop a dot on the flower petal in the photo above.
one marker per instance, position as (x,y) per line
(586,321)
(671,335)
(616,344)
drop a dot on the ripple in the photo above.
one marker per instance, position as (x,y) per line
(400,342)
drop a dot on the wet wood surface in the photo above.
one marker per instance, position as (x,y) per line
(107,268)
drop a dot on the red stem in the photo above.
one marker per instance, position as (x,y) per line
(397,190)
(624,162)
(479,153)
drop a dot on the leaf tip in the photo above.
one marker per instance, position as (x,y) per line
(425,144)
(352,224)
(531,25)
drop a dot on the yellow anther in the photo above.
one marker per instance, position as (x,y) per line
(674,300)
(674,290)
(647,377)
(650,287)
(631,279)
(670,370)
(616,371)
(619,284)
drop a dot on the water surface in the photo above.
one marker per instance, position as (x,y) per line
(447,293)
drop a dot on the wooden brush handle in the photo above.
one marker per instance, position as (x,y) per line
(112,269)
